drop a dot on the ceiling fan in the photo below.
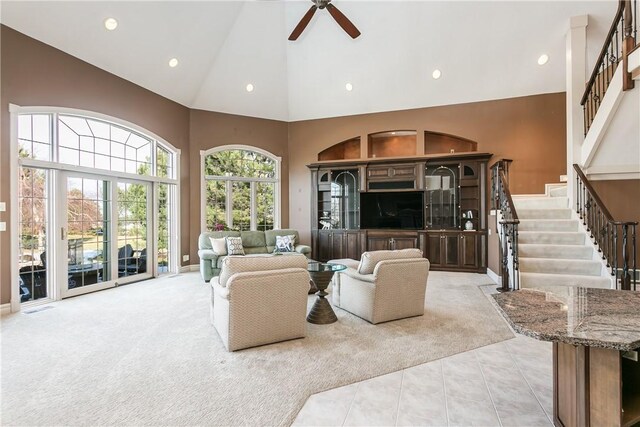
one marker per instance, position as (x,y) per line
(342,20)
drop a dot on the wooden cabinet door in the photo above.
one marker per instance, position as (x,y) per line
(377,243)
(450,250)
(434,246)
(324,246)
(404,243)
(352,245)
(337,245)
(469,250)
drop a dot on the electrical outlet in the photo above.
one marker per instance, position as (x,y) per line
(3,226)
(489,231)
(3,206)
(185,258)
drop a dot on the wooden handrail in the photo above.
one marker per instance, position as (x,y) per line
(615,240)
(512,208)
(499,162)
(603,51)
(595,196)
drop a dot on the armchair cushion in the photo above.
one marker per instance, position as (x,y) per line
(232,264)
(369,260)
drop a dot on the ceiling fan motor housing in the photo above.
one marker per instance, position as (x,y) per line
(321,3)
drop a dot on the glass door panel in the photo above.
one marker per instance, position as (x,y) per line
(133,216)
(86,257)
(33,199)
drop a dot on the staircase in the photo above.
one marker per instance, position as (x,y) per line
(554,247)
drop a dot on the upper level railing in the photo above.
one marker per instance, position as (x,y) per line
(616,240)
(508,225)
(618,44)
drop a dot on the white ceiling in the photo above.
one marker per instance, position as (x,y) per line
(485,49)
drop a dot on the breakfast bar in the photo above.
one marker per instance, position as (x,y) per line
(596,337)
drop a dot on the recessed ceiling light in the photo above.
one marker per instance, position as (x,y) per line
(544,58)
(348,87)
(436,74)
(110,24)
(173,62)
(250,87)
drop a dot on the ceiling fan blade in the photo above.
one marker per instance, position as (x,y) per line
(303,23)
(343,21)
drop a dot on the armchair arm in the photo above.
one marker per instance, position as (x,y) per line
(303,249)
(207,254)
(219,290)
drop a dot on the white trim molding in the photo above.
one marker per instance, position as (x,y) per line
(5,309)
(493,276)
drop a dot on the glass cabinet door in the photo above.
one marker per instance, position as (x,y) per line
(338,199)
(442,208)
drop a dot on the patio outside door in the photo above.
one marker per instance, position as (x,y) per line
(103,233)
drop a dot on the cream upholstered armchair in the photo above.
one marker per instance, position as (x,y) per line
(383,286)
(260,300)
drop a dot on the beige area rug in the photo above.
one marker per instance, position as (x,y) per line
(146,354)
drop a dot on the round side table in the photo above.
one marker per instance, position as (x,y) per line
(321,273)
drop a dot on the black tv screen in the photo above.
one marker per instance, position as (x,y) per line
(399,210)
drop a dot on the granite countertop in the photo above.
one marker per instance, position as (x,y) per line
(574,315)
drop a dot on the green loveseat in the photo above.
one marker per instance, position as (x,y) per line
(254,242)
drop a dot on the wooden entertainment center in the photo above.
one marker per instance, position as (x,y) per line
(433,202)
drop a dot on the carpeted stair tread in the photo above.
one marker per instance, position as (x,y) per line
(540,202)
(552,237)
(531,280)
(558,191)
(532,250)
(561,266)
(555,213)
(549,225)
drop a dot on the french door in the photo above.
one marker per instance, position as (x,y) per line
(105,234)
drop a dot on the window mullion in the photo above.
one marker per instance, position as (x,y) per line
(254,206)
(229,204)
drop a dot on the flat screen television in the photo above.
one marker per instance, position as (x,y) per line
(399,210)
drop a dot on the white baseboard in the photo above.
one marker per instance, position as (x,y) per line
(493,276)
(189,268)
(5,309)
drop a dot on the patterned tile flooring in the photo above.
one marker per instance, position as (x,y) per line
(503,384)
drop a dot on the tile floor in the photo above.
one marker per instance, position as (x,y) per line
(503,384)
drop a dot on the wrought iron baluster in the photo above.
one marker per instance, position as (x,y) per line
(625,280)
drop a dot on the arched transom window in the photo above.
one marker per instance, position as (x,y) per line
(241,189)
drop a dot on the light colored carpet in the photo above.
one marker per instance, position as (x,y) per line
(146,354)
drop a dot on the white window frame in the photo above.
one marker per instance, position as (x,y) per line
(15,163)
(277,181)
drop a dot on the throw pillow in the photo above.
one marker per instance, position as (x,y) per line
(219,246)
(285,243)
(234,246)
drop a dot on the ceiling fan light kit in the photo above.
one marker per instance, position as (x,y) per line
(338,16)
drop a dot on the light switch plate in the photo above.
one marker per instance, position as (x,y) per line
(3,226)
(3,207)
(185,258)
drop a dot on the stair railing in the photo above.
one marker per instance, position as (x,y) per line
(615,240)
(619,42)
(507,225)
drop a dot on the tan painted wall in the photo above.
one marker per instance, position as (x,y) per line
(209,129)
(530,130)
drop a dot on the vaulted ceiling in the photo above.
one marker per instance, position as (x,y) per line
(484,49)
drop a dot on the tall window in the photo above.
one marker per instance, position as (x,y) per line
(241,189)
